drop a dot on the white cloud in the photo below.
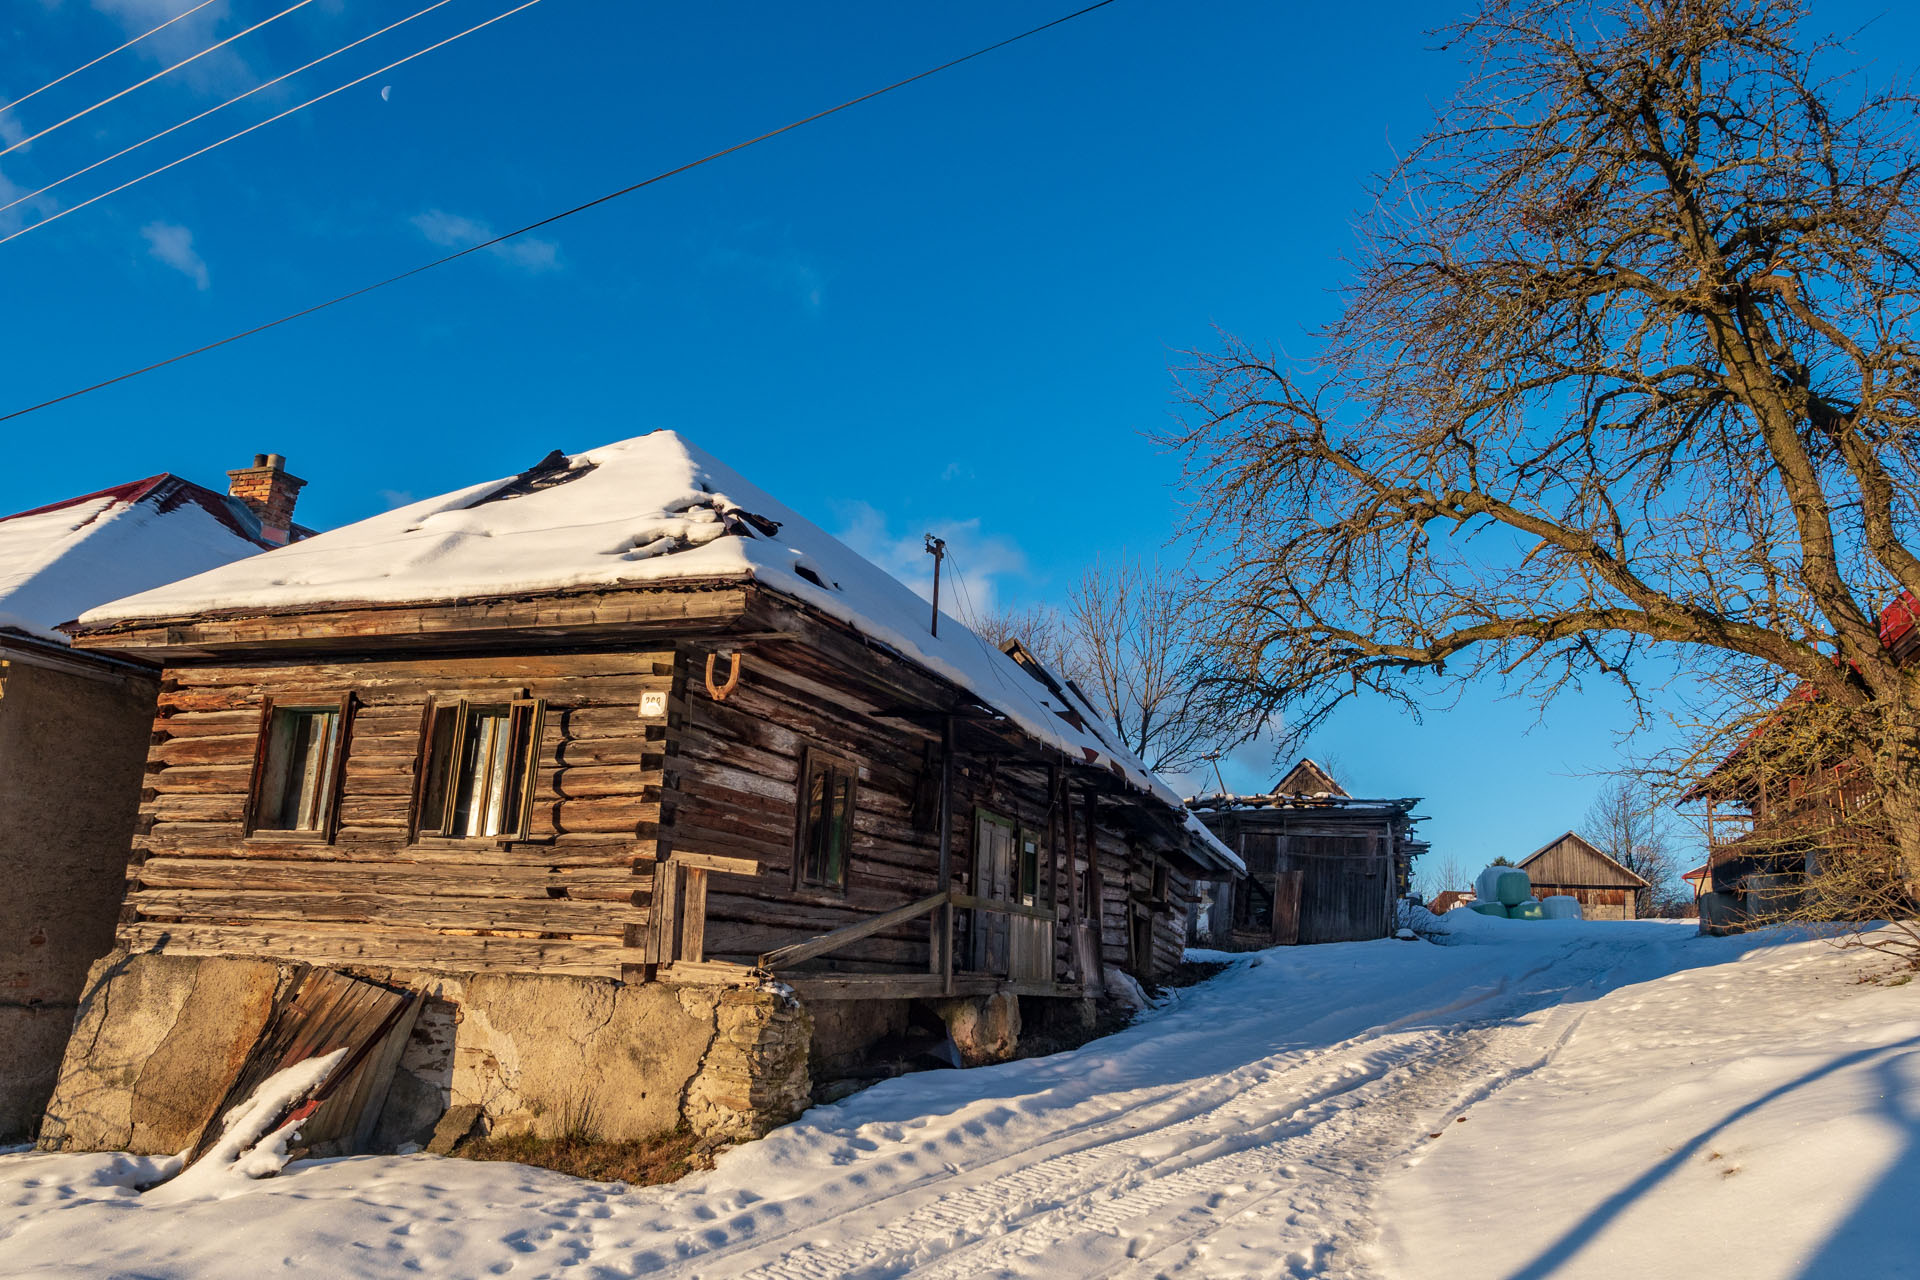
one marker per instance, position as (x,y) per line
(452,231)
(173,244)
(976,563)
(222,71)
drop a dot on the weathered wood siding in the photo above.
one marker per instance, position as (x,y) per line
(1347,865)
(561,902)
(1570,860)
(615,794)
(733,790)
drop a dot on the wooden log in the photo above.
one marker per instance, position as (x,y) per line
(605,814)
(440,879)
(788,956)
(209,779)
(210,749)
(572,917)
(361,945)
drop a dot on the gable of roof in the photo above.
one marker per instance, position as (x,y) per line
(1570,859)
(1308,778)
(1447,899)
(652,510)
(59,560)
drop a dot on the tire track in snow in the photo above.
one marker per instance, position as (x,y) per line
(1029,1184)
(1118,1191)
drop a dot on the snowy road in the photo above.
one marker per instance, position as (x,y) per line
(1280,1120)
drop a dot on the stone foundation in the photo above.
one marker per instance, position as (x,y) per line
(161,1038)
(984,1028)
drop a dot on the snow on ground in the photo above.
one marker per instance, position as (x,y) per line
(1272,1122)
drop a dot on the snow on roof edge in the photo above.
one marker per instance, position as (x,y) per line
(653,510)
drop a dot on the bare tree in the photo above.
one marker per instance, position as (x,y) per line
(1629,824)
(1436,877)
(1142,652)
(1132,640)
(1628,369)
(1040,629)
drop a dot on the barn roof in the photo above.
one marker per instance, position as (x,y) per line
(655,509)
(1570,859)
(60,560)
(1447,899)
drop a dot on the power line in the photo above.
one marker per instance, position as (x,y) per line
(297,4)
(103,57)
(553,218)
(19,200)
(75,208)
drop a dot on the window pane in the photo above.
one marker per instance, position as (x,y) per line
(477,801)
(1029,870)
(814,853)
(433,807)
(298,769)
(826,816)
(841,831)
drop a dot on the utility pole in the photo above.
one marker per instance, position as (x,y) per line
(937,548)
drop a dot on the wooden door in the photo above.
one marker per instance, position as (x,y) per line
(993,877)
(1287,886)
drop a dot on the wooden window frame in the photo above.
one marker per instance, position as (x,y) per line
(515,827)
(1023,835)
(811,759)
(334,781)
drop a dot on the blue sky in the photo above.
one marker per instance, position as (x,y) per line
(954,308)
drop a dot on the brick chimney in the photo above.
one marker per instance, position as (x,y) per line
(269,492)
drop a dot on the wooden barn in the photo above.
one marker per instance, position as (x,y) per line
(666,802)
(1321,865)
(1571,866)
(73,733)
(1775,819)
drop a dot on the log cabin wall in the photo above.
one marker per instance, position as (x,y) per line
(733,791)
(616,792)
(373,895)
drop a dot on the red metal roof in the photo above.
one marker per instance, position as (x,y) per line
(170,492)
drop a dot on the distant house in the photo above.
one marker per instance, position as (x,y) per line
(1568,865)
(1774,817)
(74,729)
(663,800)
(1448,899)
(1699,879)
(1322,866)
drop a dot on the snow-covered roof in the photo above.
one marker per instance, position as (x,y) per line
(653,509)
(58,561)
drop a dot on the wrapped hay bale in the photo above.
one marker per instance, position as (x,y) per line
(1511,887)
(1528,910)
(1562,906)
(1488,909)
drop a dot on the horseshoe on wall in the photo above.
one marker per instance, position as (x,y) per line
(721,691)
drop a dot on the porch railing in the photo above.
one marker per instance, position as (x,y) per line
(1030,937)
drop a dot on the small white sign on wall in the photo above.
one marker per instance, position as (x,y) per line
(653,704)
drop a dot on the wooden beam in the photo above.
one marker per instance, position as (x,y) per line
(799,951)
(715,862)
(885,986)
